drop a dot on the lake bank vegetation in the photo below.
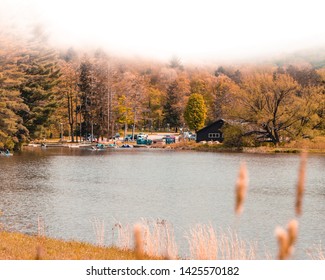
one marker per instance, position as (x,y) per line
(50,93)
(313,146)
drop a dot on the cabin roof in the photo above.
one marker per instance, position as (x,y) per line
(219,122)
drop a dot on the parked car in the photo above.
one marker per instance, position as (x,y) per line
(144,141)
(116,136)
(128,137)
(189,135)
(90,138)
(169,139)
(143,135)
(192,137)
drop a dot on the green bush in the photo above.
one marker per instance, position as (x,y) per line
(233,136)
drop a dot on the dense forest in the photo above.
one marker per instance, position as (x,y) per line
(47,92)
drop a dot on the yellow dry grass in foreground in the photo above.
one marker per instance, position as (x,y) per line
(17,246)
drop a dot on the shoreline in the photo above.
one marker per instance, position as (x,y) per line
(200,147)
(219,148)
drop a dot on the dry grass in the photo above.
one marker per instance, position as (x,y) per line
(159,239)
(17,246)
(206,244)
(155,238)
(124,236)
(99,230)
(317,143)
(317,252)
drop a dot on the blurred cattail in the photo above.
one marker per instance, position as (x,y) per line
(40,227)
(286,239)
(241,187)
(39,253)
(301,183)
(138,242)
(282,237)
(292,228)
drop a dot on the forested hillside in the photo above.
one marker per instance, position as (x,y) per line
(45,91)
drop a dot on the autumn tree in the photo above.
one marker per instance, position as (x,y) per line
(176,63)
(195,112)
(234,75)
(154,107)
(124,112)
(311,104)
(305,76)
(268,104)
(135,87)
(203,81)
(224,93)
(69,90)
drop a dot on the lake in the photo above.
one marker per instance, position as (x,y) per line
(69,188)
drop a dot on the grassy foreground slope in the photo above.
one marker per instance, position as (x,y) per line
(17,246)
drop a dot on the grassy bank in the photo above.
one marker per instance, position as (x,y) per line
(17,246)
(315,146)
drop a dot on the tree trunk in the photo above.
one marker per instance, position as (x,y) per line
(70,116)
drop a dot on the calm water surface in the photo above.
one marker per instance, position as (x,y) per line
(69,188)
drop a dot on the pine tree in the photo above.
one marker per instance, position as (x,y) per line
(87,82)
(12,131)
(39,89)
(171,110)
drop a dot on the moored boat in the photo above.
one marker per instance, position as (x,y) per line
(6,153)
(126,146)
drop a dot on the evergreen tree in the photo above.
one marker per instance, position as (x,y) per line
(172,111)
(39,89)
(12,131)
(195,112)
(87,88)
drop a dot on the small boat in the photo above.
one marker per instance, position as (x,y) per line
(73,146)
(126,146)
(98,147)
(6,153)
(111,145)
(33,145)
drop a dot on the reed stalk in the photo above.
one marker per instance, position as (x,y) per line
(241,188)
(40,227)
(286,239)
(99,230)
(138,242)
(301,183)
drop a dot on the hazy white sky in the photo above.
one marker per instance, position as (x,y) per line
(189,29)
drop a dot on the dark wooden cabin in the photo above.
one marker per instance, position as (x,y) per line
(211,132)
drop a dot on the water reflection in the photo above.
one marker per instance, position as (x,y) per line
(68,188)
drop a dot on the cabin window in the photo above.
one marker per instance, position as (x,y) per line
(214,135)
